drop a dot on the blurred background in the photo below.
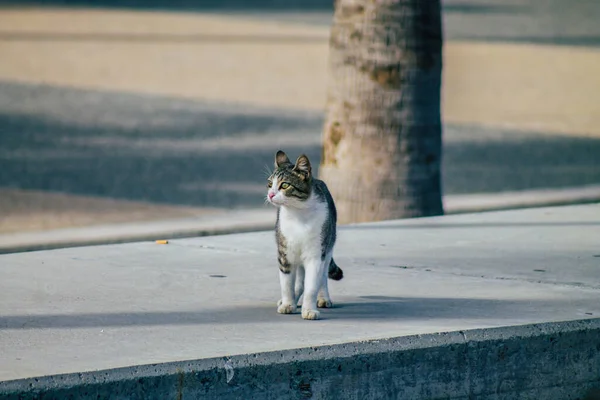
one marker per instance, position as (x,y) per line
(121,112)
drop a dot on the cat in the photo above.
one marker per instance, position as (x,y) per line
(305,232)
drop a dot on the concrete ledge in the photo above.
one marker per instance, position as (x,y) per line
(235,221)
(469,203)
(539,361)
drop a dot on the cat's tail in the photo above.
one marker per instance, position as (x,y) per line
(335,272)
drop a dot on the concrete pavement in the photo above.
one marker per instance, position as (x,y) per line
(97,308)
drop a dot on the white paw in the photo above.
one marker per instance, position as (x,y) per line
(310,314)
(280,301)
(324,303)
(286,308)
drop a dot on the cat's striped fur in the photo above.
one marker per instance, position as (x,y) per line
(305,233)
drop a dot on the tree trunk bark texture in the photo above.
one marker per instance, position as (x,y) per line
(382,135)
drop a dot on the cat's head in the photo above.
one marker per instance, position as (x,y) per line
(290,184)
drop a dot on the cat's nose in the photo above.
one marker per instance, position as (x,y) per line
(271,195)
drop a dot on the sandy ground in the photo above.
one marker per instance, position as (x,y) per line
(30,210)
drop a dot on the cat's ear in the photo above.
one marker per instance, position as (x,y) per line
(281,159)
(303,166)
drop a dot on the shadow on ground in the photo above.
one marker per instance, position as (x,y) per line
(185,5)
(467,7)
(104,37)
(550,22)
(185,152)
(367,308)
(479,225)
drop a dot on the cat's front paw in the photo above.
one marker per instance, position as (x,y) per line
(286,308)
(311,314)
(281,301)
(324,303)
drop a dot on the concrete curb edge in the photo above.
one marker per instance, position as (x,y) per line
(548,360)
(242,221)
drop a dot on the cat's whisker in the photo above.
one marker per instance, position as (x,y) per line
(267,171)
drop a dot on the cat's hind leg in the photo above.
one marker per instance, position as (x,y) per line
(323,299)
(299,288)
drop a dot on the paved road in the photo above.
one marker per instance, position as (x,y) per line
(187,152)
(571,23)
(91,109)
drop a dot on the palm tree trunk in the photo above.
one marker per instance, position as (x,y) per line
(382,135)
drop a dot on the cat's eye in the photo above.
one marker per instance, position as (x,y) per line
(285,185)
(269,184)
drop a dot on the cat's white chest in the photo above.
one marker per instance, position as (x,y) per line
(302,230)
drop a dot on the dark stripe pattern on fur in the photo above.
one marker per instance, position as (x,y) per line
(284,265)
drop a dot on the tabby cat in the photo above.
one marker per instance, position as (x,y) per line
(305,233)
